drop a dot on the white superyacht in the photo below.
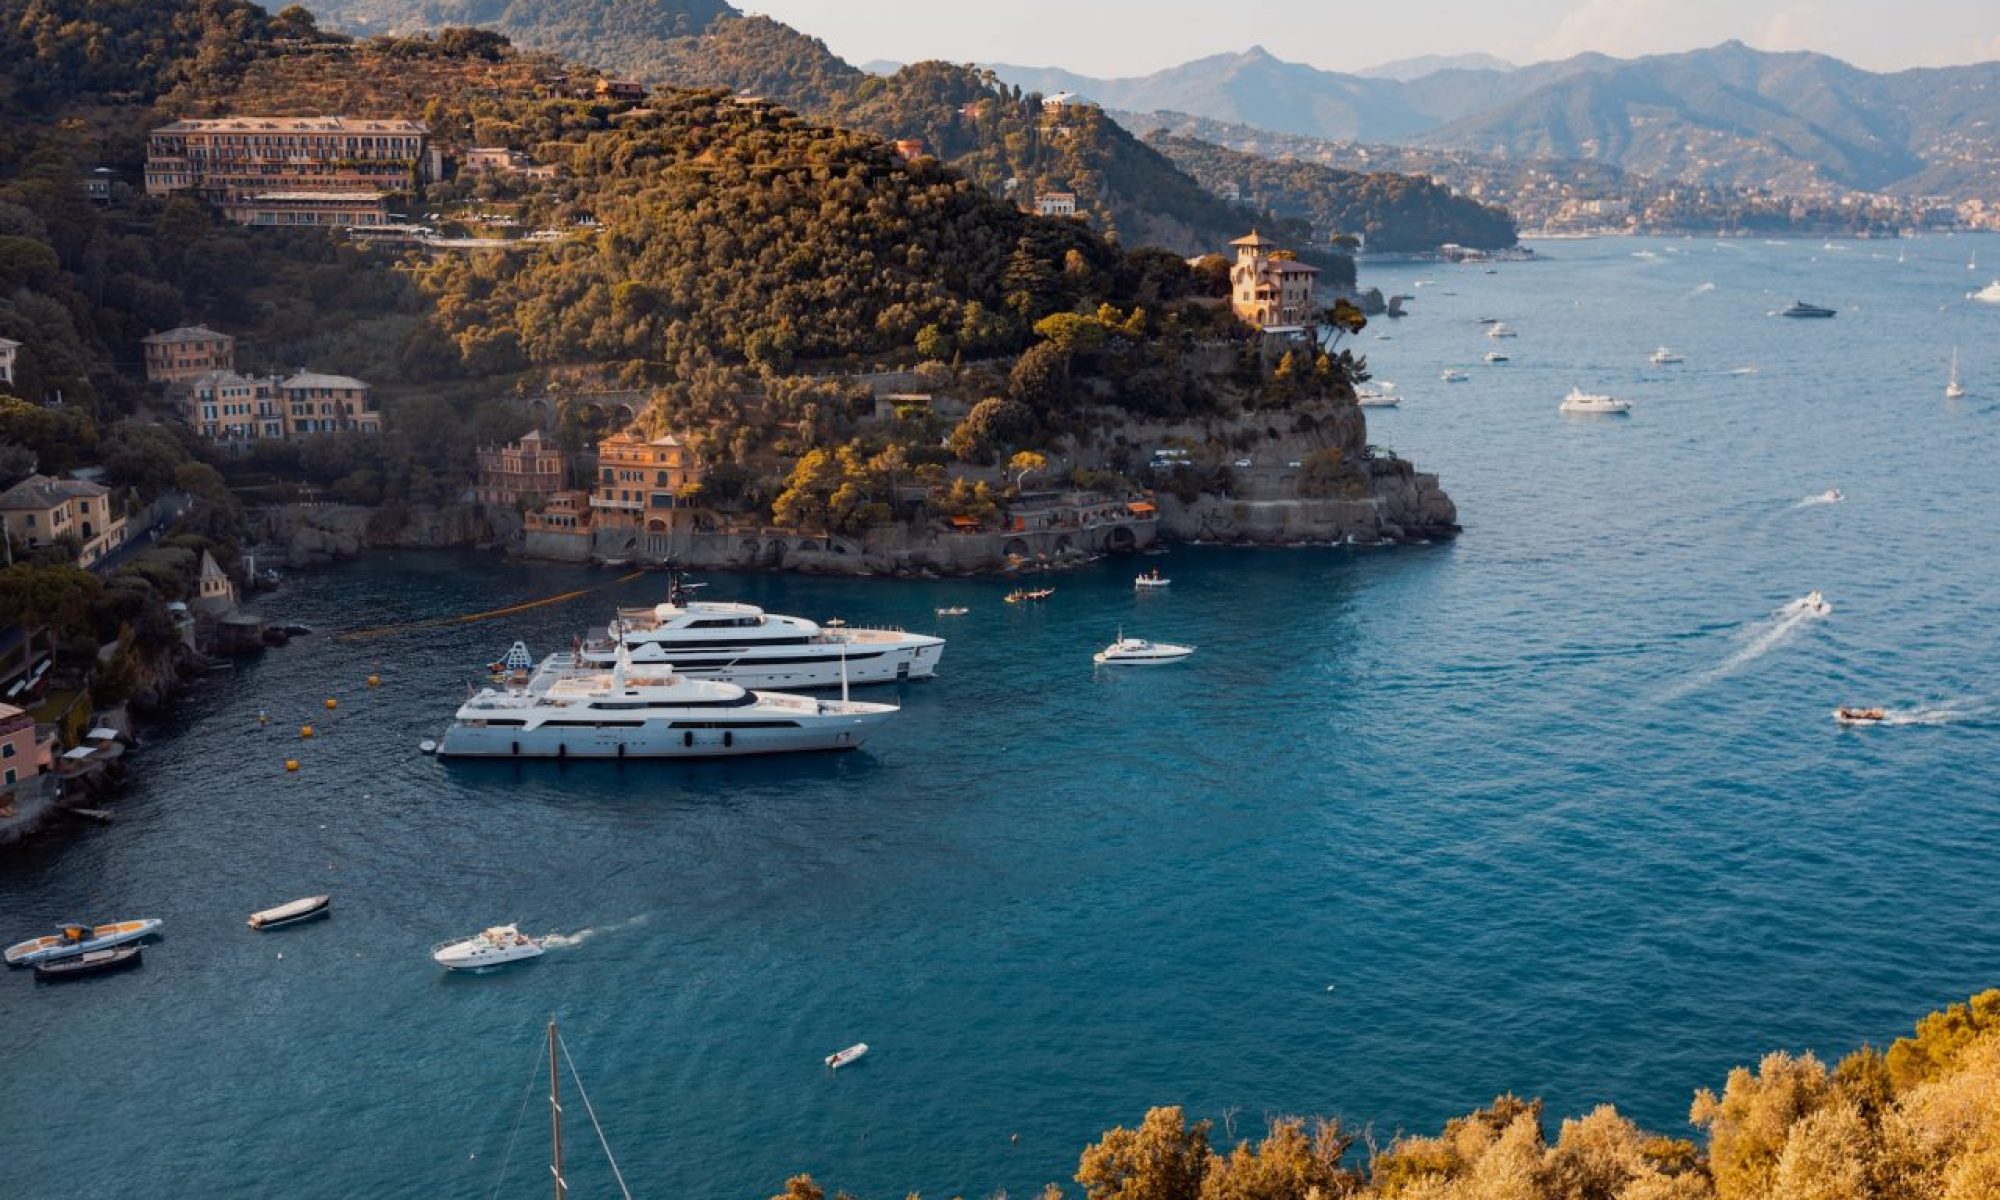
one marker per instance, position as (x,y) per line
(743,644)
(649,712)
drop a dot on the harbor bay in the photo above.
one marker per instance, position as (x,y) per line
(1557,808)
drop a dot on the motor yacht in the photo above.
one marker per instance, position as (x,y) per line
(1453,375)
(1846,715)
(1580,401)
(83,966)
(744,645)
(1664,357)
(489,948)
(956,610)
(1138,652)
(1806,311)
(1500,329)
(74,938)
(1382,395)
(636,711)
(1990,294)
(1495,356)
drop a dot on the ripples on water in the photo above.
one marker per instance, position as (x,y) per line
(1556,809)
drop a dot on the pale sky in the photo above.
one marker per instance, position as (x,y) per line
(1137,37)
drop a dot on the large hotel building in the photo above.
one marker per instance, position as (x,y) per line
(327,171)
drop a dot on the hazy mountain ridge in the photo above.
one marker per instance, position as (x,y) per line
(1726,115)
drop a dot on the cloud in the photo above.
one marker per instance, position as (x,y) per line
(1796,27)
(1618,27)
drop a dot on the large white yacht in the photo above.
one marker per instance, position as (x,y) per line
(649,712)
(1580,401)
(743,644)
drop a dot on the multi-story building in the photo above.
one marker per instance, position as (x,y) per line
(21,754)
(41,510)
(8,349)
(530,468)
(315,403)
(1055,204)
(292,170)
(638,482)
(223,406)
(187,353)
(1269,288)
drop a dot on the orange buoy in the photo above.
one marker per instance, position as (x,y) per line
(374,681)
(331,704)
(305,731)
(291,764)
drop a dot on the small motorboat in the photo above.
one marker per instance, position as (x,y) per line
(1500,329)
(1495,356)
(841,1058)
(495,947)
(1453,375)
(1029,595)
(1138,652)
(1816,604)
(1831,496)
(1801,310)
(1152,579)
(1664,357)
(82,966)
(1591,403)
(1990,294)
(1382,396)
(73,938)
(956,610)
(1846,715)
(310,908)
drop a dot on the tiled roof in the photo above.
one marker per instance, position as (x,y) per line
(294,125)
(186,333)
(43,491)
(309,379)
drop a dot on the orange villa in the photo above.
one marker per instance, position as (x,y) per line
(187,353)
(332,171)
(638,482)
(1269,288)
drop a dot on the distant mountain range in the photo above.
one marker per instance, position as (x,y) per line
(1727,115)
(1430,64)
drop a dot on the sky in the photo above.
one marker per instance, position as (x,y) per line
(1136,37)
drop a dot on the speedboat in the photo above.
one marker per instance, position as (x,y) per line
(841,1058)
(1816,604)
(1800,308)
(74,938)
(742,644)
(82,966)
(1495,356)
(1152,579)
(650,712)
(1453,375)
(1591,403)
(1138,652)
(495,947)
(1383,395)
(1664,357)
(1860,716)
(956,610)
(1500,329)
(310,908)
(1990,294)
(1029,595)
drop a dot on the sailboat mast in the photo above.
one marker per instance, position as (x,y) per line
(555,1117)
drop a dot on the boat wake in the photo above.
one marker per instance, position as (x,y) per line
(1948,712)
(1829,496)
(1761,639)
(1743,370)
(564,941)
(1703,289)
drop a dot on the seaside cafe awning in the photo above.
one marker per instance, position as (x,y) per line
(101,734)
(78,754)
(1140,508)
(965,522)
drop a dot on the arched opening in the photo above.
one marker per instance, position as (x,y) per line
(1015,548)
(656,525)
(625,415)
(543,415)
(1121,540)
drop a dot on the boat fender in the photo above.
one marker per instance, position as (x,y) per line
(687,739)
(562,749)
(516,748)
(728,738)
(621,749)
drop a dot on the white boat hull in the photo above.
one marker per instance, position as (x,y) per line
(27,953)
(812,666)
(720,736)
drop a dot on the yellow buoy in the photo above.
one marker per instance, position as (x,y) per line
(374,681)
(305,731)
(331,704)
(291,764)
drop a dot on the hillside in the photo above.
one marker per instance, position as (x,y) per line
(1392,212)
(1728,115)
(964,115)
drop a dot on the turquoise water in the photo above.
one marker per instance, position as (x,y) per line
(1555,809)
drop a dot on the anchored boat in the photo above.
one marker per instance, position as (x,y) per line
(841,1058)
(75,938)
(308,909)
(82,966)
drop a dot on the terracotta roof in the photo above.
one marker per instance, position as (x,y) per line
(310,379)
(1255,239)
(294,125)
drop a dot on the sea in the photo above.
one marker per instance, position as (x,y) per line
(1555,809)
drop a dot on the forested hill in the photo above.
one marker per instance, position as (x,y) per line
(1392,212)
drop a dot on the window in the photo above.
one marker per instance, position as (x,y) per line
(6,750)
